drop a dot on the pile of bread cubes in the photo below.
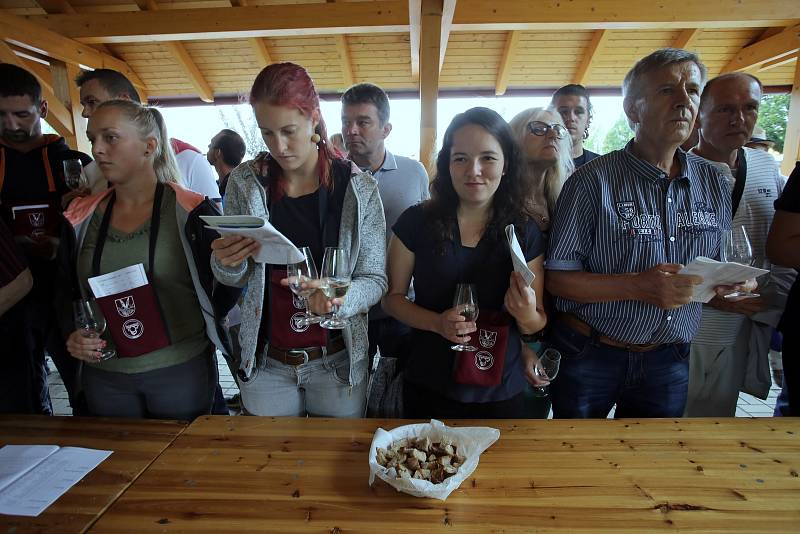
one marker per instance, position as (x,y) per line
(421,458)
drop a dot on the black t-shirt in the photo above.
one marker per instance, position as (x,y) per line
(298,219)
(790,201)
(488,265)
(584,158)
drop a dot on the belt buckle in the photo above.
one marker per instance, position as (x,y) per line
(298,352)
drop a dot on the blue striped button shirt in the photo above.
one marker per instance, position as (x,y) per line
(619,214)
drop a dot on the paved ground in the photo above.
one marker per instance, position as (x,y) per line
(748,406)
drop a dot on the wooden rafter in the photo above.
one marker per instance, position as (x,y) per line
(258,45)
(791,142)
(783,44)
(448,11)
(22,32)
(780,62)
(430,45)
(224,22)
(56,6)
(414,15)
(68,94)
(483,15)
(58,116)
(42,72)
(344,60)
(596,45)
(687,39)
(504,72)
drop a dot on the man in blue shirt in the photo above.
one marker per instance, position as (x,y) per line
(625,225)
(402,183)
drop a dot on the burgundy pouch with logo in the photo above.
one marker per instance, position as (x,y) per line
(484,367)
(35,220)
(286,309)
(134,321)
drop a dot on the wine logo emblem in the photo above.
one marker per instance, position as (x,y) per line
(487,338)
(626,210)
(296,324)
(484,360)
(297,302)
(36,219)
(133,328)
(125,306)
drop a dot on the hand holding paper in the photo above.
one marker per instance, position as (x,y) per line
(275,248)
(716,273)
(517,257)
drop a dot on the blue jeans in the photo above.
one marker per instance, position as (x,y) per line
(593,377)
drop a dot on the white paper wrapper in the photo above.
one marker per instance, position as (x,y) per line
(471,442)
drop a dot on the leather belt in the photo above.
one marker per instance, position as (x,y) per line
(305,355)
(586,330)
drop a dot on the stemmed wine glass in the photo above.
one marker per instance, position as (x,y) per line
(300,273)
(547,369)
(466,303)
(73,174)
(736,248)
(91,323)
(334,283)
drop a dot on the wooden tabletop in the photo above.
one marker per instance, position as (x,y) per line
(248,474)
(136,443)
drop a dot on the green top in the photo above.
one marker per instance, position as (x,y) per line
(173,286)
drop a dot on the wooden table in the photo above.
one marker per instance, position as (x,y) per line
(248,474)
(136,443)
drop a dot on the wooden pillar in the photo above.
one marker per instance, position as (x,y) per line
(67,92)
(791,143)
(429,52)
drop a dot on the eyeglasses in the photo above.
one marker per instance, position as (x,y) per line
(541,128)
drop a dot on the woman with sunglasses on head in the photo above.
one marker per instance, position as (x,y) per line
(546,147)
(459,236)
(317,200)
(164,331)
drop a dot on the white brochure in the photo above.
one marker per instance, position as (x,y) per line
(118,281)
(718,273)
(517,257)
(275,248)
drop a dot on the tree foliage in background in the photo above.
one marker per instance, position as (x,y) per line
(244,123)
(618,136)
(772,116)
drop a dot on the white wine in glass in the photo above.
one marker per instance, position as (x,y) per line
(466,302)
(334,283)
(300,276)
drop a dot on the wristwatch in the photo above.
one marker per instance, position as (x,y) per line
(531,338)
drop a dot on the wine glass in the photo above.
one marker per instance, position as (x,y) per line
(547,369)
(334,283)
(91,323)
(736,248)
(466,303)
(300,273)
(73,174)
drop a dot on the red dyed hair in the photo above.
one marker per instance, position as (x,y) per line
(289,85)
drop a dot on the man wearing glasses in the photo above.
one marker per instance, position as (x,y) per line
(624,227)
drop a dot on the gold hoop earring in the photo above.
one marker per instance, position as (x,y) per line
(315,138)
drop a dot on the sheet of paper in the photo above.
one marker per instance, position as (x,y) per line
(33,492)
(233,221)
(275,248)
(716,273)
(517,257)
(16,460)
(118,281)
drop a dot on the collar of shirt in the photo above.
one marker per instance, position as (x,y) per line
(389,164)
(649,171)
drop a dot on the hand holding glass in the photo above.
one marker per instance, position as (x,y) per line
(91,323)
(334,283)
(466,303)
(546,369)
(300,276)
(736,248)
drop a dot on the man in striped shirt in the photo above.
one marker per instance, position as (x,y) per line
(730,351)
(625,224)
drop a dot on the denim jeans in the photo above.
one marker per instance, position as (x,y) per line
(319,388)
(593,377)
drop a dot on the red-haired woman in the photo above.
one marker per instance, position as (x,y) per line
(317,200)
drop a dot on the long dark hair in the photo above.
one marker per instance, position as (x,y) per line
(507,205)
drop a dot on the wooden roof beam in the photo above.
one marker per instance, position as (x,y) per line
(448,11)
(783,44)
(58,116)
(687,39)
(780,62)
(596,45)
(482,15)
(258,45)
(430,51)
(224,22)
(791,142)
(55,6)
(344,59)
(504,72)
(414,20)
(26,34)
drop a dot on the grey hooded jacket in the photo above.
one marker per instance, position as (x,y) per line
(362,234)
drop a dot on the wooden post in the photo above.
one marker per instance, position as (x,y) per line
(791,143)
(430,42)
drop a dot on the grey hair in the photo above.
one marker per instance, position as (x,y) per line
(557,174)
(150,123)
(632,85)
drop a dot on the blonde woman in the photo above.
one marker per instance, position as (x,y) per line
(546,148)
(145,218)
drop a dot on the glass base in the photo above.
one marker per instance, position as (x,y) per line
(741,295)
(463,348)
(107,354)
(333,324)
(537,391)
(310,319)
